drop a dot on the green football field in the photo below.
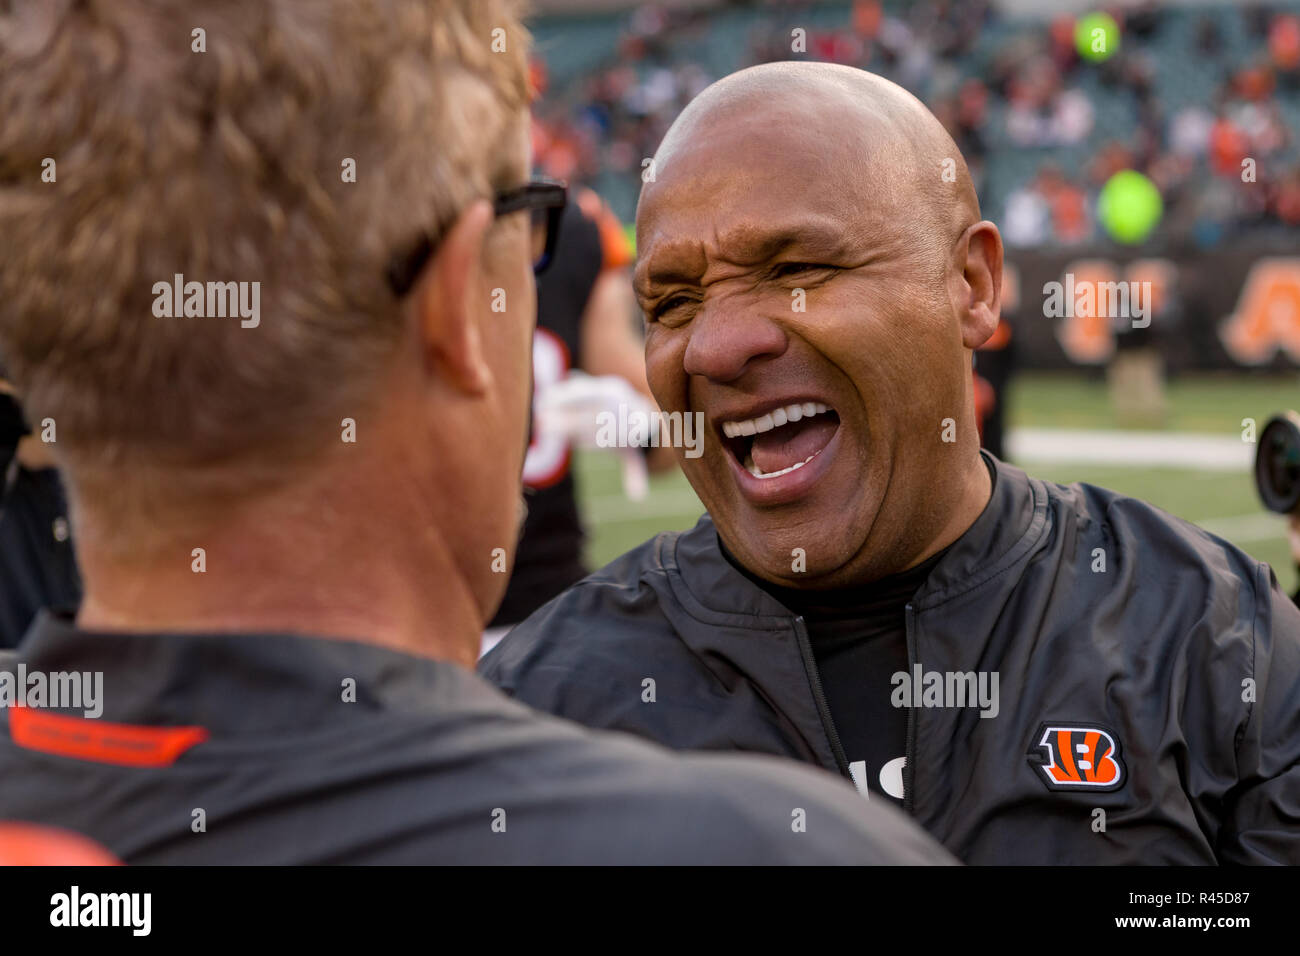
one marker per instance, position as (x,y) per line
(1223,503)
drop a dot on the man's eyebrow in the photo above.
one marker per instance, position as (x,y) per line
(672,262)
(678,262)
(811,236)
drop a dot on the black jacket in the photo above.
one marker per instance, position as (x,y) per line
(273,748)
(1182,651)
(37,565)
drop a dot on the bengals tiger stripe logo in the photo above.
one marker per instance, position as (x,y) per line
(1077,757)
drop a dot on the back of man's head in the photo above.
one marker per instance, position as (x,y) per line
(199,210)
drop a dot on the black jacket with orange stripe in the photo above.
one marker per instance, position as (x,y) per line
(1175,666)
(284,749)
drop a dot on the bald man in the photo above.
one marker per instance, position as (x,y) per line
(1038,673)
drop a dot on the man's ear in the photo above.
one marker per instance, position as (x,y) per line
(448,307)
(979,254)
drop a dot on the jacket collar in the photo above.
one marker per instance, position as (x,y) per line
(246,683)
(1007,529)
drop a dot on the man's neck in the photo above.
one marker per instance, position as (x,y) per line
(976,492)
(283,565)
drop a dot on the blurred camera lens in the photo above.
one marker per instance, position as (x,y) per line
(1277,463)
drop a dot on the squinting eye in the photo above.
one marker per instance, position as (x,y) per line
(669,304)
(782,269)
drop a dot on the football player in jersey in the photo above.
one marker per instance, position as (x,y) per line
(585,324)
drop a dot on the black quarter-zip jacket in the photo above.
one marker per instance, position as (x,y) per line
(1149,678)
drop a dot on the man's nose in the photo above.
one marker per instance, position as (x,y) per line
(727,336)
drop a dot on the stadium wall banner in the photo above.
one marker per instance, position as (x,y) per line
(1233,309)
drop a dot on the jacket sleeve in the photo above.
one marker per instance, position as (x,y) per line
(1262,823)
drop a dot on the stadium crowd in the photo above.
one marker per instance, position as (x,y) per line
(1187,97)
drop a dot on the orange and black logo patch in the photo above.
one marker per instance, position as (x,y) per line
(1077,757)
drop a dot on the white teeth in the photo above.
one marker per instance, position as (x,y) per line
(773,419)
(754,470)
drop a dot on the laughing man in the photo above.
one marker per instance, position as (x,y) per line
(815,274)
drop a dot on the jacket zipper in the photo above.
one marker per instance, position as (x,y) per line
(909,750)
(815,680)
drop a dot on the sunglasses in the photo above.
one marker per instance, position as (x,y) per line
(543,198)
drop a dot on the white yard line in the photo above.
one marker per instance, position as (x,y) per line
(1193,450)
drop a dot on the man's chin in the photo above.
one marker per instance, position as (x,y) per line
(785,559)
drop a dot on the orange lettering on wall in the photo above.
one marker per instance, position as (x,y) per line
(1085,335)
(1268,314)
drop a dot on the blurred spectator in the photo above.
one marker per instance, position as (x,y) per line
(1209,38)
(1113,157)
(1041,112)
(1284,49)
(1061,46)
(1189,133)
(1028,218)
(1050,207)
(1228,147)
(1286,200)
(1144,23)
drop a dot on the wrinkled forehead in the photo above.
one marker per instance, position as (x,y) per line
(742,185)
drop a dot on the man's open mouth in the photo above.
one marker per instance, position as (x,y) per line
(781,440)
